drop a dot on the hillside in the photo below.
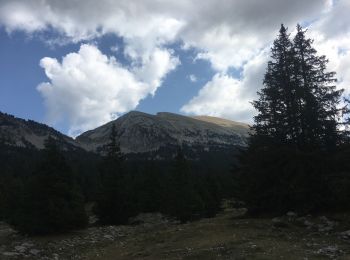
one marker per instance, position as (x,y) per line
(30,134)
(139,132)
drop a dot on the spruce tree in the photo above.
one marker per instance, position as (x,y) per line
(184,200)
(275,105)
(115,202)
(318,98)
(298,104)
(289,164)
(51,200)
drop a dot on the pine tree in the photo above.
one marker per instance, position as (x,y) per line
(289,162)
(115,202)
(51,200)
(276,99)
(318,99)
(150,188)
(184,201)
(298,104)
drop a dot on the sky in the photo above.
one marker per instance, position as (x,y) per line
(77,64)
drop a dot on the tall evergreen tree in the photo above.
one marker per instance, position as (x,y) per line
(51,200)
(318,98)
(184,201)
(275,105)
(298,104)
(289,163)
(115,202)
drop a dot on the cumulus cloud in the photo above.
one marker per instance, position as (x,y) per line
(227,97)
(332,38)
(220,97)
(227,33)
(91,89)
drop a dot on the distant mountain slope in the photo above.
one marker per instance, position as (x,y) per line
(139,132)
(30,134)
(156,136)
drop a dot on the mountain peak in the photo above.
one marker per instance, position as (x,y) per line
(139,132)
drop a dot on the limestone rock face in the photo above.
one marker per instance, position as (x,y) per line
(139,132)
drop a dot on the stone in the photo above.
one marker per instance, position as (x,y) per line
(345,235)
(308,224)
(20,249)
(34,251)
(279,223)
(291,214)
(330,251)
(28,244)
(322,228)
(324,218)
(108,237)
(11,254)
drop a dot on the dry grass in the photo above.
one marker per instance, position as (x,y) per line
(225,237)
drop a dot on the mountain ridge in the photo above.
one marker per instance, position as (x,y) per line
(137,132)
(20,132)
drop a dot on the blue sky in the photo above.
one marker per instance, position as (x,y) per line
(78,65)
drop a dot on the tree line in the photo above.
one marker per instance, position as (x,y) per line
(51,197)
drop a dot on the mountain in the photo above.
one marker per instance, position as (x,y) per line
(30,134)
(141,133)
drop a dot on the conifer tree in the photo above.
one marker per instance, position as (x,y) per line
(115,202)
(318,98)
(289,162)
(184,201)
(298,104)
(275,105)
(51,200)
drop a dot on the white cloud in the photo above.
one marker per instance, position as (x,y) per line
(230,33)
(89,88)
(332,38)
(192,78)
(227,33)
(225,96)
(155,67)
(219,97)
